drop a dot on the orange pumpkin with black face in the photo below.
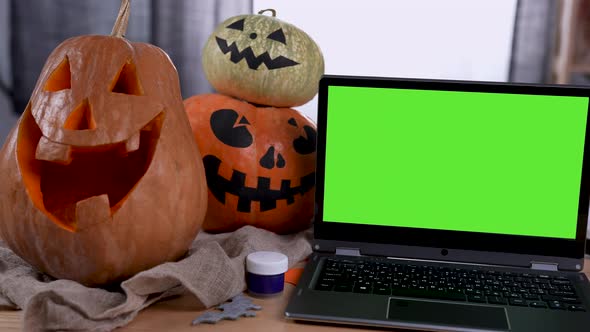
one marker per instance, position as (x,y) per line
(259,163)
(101,177)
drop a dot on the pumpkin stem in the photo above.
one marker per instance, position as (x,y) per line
(274,12)
(120,27)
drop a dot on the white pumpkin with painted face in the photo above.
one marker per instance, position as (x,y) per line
(263,60)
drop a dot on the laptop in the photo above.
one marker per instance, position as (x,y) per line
(447,205)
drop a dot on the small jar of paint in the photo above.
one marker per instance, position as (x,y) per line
(265,273)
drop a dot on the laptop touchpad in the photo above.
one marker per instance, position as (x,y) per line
(426,312)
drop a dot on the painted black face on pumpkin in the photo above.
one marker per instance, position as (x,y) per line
(281,156)
(248,55)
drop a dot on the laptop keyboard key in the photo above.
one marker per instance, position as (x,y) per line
(557,305)
(560,282)
(562,293)
(518,302)
(566,288)
(575,307)
(569,299)
(382,290)
(362,289)
(497,300)
(538,304)
(476,298)
(324,286)
(343,288)
(332,270)
(429,294)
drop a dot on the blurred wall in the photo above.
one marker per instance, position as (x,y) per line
(7,116)
(31,29)
(534,41)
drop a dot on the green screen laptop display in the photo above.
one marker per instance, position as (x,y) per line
(461,161)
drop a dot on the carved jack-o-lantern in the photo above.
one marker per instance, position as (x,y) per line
(263,60)
(101,177)
(259,161)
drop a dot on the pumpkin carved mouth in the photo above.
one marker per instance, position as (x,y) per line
(220,186)
(253,61)
(77,186)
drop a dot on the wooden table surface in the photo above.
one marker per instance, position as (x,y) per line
(176,315)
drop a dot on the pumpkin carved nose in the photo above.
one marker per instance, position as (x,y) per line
(268,160)
(81,118)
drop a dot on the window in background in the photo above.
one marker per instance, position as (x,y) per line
(452,39)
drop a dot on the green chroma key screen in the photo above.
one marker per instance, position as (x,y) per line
(462,161)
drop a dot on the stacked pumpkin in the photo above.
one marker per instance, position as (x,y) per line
(101,177)
(259,153)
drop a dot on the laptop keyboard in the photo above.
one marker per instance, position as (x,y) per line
(449,283)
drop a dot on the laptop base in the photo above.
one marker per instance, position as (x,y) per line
(308,304)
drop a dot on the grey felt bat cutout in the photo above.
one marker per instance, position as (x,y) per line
(240,306)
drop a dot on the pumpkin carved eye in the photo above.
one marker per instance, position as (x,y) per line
(278,36)
(61,78)
(126,81)
(237,25)
(225,128)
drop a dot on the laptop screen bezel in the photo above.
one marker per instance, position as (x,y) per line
(543,246)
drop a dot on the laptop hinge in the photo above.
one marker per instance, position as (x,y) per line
(544,266)
(348,251)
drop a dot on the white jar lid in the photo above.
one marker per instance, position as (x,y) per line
(267,263)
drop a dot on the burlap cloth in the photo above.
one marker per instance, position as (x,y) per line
(213,272)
